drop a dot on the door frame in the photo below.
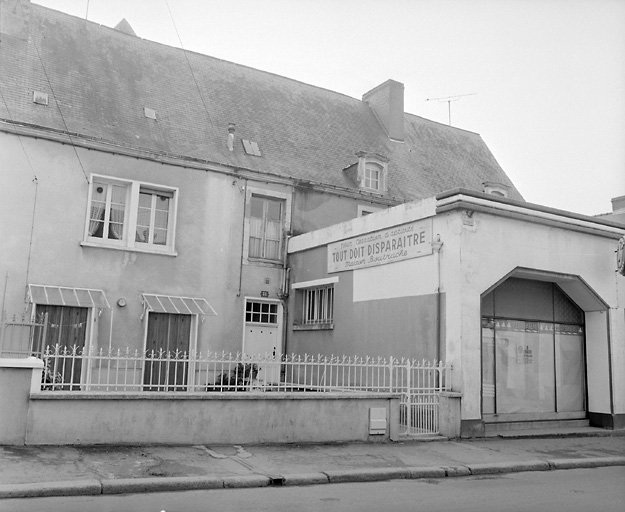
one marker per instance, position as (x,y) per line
(193,332)
(280,324)
(90,342)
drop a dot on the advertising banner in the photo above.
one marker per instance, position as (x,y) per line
(387,246)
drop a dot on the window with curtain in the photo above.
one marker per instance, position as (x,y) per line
(265,234)
(119,208)
(108,211)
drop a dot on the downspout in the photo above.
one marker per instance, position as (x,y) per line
(436,247)
(242,238)
(286,281)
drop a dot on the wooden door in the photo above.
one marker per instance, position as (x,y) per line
(167,349)
(62,332)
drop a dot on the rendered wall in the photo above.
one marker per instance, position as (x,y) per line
(389,310)
(53,209)
(480,250)
(59,418)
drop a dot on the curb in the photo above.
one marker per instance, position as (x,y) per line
(46,489)
(168,484)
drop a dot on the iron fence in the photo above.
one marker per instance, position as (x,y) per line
(124,370)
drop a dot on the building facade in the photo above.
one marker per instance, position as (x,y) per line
(152,190)
(525,302)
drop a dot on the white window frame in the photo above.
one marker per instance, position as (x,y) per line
(367,162)
(286,224)
(128,242)
(317,299)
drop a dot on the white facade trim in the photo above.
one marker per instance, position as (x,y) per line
(315,282)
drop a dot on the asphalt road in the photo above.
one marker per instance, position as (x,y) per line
(574,490)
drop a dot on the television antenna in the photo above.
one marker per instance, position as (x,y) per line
(449,99)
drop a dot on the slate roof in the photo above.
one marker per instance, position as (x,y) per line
(103,78)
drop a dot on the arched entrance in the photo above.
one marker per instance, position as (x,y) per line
(533,353)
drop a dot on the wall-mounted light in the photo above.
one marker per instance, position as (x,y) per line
(121,303)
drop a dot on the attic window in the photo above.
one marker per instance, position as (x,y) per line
(149,113)
(41,98)
(496,189)
(372,172)
(251,147)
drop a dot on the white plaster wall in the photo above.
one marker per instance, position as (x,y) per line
(480,250)
(406,278)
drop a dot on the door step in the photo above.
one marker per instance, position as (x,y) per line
(512,426)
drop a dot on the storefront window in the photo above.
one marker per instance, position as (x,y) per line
(532,366)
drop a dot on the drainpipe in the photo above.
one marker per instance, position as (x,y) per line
(242,238)
(436,246)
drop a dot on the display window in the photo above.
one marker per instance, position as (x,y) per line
(532,366)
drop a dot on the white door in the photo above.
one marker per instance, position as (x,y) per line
(262,337)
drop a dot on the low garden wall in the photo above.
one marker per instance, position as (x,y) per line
(60,417)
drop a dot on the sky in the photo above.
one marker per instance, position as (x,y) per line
(542,81)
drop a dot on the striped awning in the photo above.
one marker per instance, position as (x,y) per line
(65,296)
(177,305)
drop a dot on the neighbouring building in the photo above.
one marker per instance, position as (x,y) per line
(525,302)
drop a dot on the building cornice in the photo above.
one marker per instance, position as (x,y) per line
(461,199)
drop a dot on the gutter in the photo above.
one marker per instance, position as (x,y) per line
(467,200)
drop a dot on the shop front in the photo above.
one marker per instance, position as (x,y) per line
(533,353)
(523,301)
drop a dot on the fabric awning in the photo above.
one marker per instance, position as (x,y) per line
(65,296)
(177,305)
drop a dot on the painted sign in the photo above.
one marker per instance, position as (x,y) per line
(387,246)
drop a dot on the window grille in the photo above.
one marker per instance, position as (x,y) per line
(318,305)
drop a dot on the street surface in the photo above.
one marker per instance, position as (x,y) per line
(573,490)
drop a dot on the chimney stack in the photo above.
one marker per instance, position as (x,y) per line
(618,204)
(387,101)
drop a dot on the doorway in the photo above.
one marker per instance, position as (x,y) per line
(262,337)
(167,352)
(60,333)
(533,353)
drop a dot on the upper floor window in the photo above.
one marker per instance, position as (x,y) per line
(372,172)
(130,215)
(372,176)
(265,237)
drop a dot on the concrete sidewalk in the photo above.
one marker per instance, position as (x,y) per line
(35,471)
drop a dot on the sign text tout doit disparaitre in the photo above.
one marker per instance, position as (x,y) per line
(387,246)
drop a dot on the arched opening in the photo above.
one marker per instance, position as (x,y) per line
(533,348)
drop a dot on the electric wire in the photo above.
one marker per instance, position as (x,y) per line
(184,51)
(60,111)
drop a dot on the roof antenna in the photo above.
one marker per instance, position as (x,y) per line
(87,13)
(449,99)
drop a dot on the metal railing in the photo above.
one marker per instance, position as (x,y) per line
(17,335)
(124,370)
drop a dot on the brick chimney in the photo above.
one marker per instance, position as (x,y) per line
(387,101)
(14,18)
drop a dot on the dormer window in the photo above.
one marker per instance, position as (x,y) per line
(373,176)
(371,172)
(496,189)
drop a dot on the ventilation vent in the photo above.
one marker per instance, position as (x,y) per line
(251,147)
(40,98)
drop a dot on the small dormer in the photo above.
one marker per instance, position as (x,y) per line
(370,173)
(496,189)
